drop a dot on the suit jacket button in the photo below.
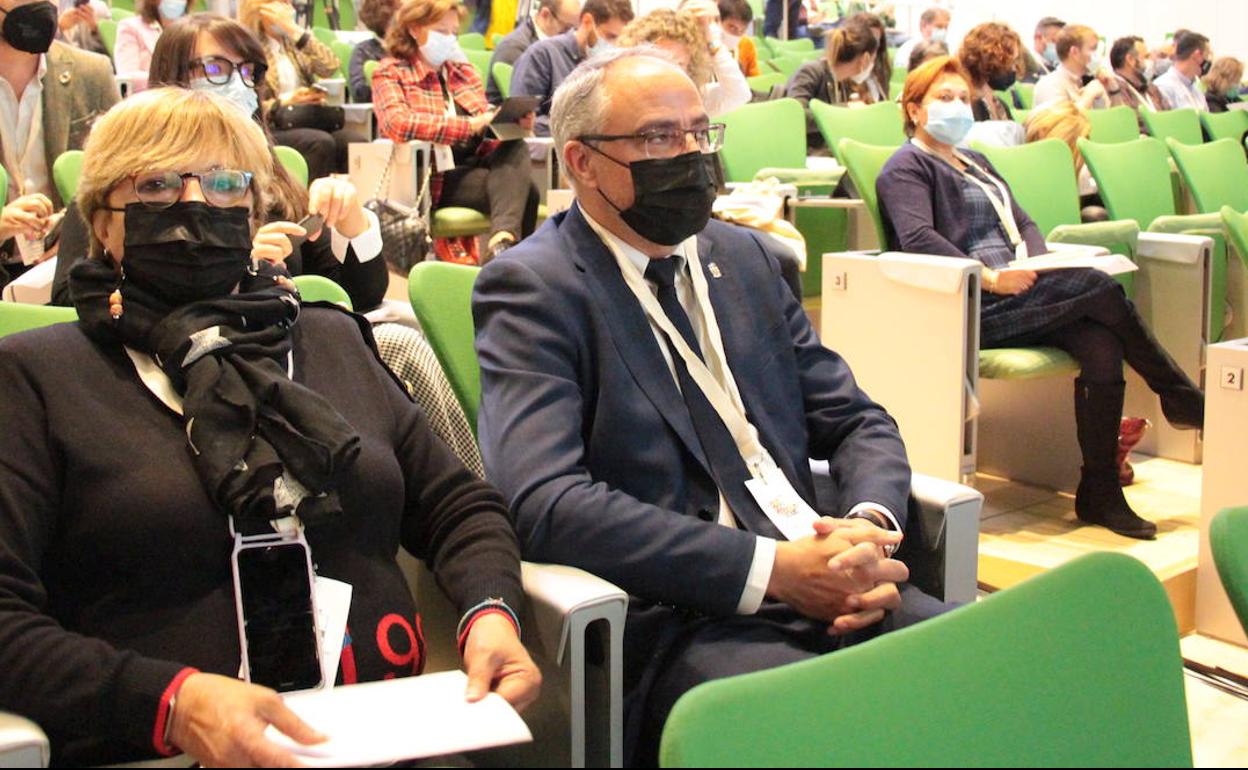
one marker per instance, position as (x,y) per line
(706,514)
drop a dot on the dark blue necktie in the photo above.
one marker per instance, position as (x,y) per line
(727,468)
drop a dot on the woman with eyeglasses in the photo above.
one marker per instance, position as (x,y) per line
(428,91)
(137,36)
(193,399)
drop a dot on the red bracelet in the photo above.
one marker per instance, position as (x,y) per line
(463,635)
(164,714)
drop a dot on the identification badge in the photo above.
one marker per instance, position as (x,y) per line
(443,158)
(779,500)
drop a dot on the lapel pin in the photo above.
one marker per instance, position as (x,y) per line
(715,272)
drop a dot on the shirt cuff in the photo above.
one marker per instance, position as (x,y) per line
(876,508)
(760,576)
(367,244)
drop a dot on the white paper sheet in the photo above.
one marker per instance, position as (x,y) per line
(1113,264)
(411,718)
(333,606)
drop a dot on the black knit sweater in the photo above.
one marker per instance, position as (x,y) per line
(115,565)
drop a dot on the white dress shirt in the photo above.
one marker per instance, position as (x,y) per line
(367,244)
(730,89)
(629,258)
(1180,92)
(21,136)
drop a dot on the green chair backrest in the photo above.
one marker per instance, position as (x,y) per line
(1042,177)
(441,295)
(343,50)
(494,40)
(1216,173)
(294,163)
(480,60)
(66,170)
(1228,538)
(1038,674)
(121,14)
(1183,125)
(325,35)
(502,77)
(787,64)
(4,187)
(369,68)
(1020,116)
(864,162)
(765,82)
(1133,178)
(125,5)
(763,135)
(1232,124)
(472,41)
(17,317)
(797,45)
(318,288)
(1236,225)
(108,34)
(1027,93)
(1114,125)
(878,124)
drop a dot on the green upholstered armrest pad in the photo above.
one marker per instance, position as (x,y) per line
(1186,223)
(1106,234)
(1024,363)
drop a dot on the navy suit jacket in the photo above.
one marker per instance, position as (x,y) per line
(584,430)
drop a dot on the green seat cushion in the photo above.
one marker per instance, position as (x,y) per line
(456,221)
(1024,363)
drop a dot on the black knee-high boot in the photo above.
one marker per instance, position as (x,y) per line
(1098,413)
(1182,402)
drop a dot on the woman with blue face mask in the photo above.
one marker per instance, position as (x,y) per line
(137,36)
(426,90)
(940,200)
(840,77)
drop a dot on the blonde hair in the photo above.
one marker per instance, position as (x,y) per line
(169,129)
(420,13)
(665,24)
(249,17)
(1063,121)
(1226,72)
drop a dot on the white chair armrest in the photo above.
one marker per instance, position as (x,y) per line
(1177,248)
(558,593)
(22,743)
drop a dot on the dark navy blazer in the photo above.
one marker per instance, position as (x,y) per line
(584,430)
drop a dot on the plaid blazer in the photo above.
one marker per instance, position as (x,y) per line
(410,105)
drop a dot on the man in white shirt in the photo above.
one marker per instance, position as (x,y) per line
(1192,60)
(933,25)
(49,94)
(1080,77)
(652,394)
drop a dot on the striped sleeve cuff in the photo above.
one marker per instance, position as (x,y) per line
(487,607)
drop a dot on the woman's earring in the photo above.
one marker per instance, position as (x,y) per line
(115,308)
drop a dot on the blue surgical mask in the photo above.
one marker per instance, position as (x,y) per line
(1050,54)
(602,46)
(172,9)
(949,122)
(234,90)
(940,34)
(441,47)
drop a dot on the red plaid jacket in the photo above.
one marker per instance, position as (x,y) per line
(410,105)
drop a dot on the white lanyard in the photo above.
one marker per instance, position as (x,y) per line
(1001,205)
(725,399)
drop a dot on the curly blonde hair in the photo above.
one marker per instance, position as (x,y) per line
(666,25)
(1226,72)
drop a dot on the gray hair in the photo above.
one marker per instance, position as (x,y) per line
(580,103)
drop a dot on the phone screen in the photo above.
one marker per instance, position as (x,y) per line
(277,617)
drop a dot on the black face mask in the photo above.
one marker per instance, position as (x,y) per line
(672,197)
(188,252)
(1086,79)
(30,28)
(1003,82)
(1205,66)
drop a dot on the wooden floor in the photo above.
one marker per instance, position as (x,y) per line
(1025,530)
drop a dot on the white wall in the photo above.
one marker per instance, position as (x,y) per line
(1225,22)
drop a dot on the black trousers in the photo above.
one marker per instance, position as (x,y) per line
(325,153)
(499,185)
(716,648)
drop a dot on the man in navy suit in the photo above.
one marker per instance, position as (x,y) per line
(653,394)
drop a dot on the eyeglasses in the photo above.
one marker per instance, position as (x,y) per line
(668,142)
(222,188)
(218,70)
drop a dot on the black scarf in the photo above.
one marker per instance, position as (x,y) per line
(264,446)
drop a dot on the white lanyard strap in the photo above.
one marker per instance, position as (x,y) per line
(726,402)
(1002,206)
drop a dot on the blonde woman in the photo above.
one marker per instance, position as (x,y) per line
(1223,82)
(1065,121)
(296,60)
(136,438)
